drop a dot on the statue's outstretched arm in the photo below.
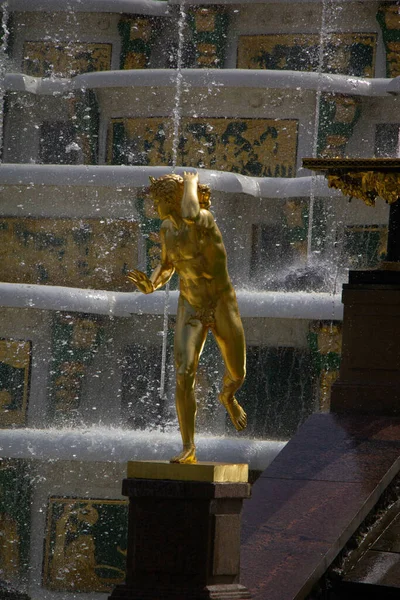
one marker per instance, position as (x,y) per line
(160,276)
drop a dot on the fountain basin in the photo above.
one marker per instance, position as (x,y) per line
(101,444)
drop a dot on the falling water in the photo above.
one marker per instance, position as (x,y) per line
(3,62)
(176,119)
(176,113)
(322,39)
(398,135)
(164,343)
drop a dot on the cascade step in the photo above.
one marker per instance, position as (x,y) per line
(377,573)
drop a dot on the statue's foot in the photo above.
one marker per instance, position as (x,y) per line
(187,456)
(235,412)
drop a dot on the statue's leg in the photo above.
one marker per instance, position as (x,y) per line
(190,335)
(228,331)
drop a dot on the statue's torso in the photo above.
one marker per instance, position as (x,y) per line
(199,257)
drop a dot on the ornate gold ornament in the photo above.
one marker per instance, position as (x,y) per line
(367,186)
(366,179)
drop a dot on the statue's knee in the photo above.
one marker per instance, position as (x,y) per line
(235,379)
(185,376)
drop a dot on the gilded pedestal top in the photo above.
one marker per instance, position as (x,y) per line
(201,471)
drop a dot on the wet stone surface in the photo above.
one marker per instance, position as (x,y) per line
(311,500)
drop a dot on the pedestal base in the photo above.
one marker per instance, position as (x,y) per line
(183,536)
(212,592)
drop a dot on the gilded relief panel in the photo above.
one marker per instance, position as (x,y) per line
(85,544)
(345,53)
(43,59)
(257,147)
(15,367)
(89,253)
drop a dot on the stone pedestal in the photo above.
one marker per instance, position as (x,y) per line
(183,536)
(369,380)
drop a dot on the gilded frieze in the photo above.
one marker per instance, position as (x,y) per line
(258,147)
(346,53)
(367,185)
(85,544)
(87,253)
(44,59)
(15,366)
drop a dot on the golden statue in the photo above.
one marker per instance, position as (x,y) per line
(191,245)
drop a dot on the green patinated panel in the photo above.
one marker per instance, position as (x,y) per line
(258,147)
(15,367)
(338,116)
(15,499)
(346,53)
(325,341)
(85,115)
(137,37)
(76,339)
(388,17)
(364,246)
(85,544)
(209,26)
(86,253)
(43,59)
(278,390)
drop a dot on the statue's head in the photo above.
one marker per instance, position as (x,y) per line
(169,188)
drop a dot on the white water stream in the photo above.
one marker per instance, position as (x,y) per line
(176,119)
(3,65)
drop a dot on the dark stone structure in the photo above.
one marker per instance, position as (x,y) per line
(8,593)
(183,540)
(369,381)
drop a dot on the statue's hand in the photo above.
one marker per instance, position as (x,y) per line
(190,176)
(141,281)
